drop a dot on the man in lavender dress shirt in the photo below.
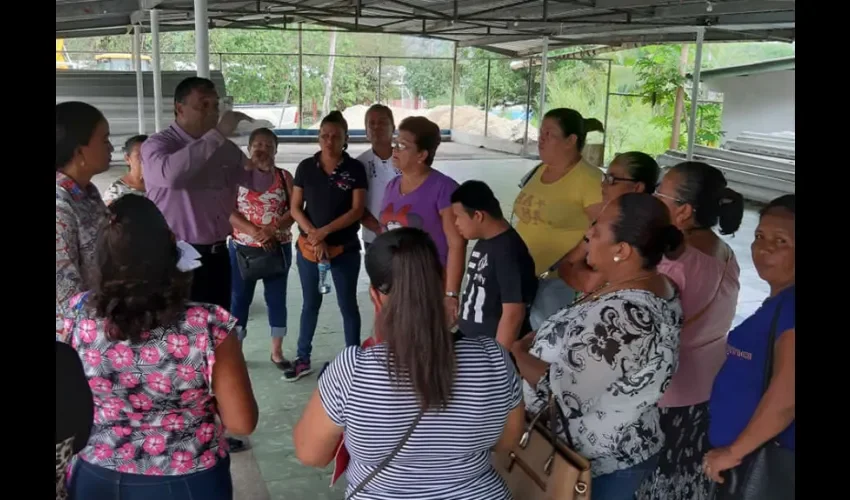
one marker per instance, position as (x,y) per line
(193,173)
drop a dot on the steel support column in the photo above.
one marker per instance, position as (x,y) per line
(157,71)
(454,89)
(692,125)
(544,64)
(487,99)
(300,78)
(202,39)
(140,88)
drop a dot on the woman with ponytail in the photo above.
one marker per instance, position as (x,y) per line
(328,202)
(557,202)
(418,391)
(706,273)
(167,375)
(608,358)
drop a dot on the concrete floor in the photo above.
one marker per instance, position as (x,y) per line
(269,470)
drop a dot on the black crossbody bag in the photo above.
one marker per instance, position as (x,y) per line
(257,263)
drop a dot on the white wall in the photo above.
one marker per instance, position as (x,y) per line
(762,102)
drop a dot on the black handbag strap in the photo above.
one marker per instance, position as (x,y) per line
(389,458)
(771,341)
(455,337)
(565,424)
(522,182)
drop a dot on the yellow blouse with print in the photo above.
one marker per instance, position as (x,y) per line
(551,218)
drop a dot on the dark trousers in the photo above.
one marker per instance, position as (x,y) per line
(211,281)
(345,270)
(274,290)
(92,482)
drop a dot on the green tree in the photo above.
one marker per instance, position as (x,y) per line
(507,86)
(428,78)
(658,75)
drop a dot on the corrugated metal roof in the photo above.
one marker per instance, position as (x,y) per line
(510,27)
(783,64)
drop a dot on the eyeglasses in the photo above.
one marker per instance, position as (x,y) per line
(399,146)
(611,180)
(668,197)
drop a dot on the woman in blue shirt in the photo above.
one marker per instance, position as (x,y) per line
(743,415)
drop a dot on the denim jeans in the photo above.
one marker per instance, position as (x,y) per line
(274,290)
(622,484)
(92,482)
(345,270)
(553,294)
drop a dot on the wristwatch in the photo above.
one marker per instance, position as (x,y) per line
(453,295)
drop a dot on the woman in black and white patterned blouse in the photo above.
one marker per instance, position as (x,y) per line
(609,356)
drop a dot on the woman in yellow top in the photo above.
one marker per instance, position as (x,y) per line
(556,204)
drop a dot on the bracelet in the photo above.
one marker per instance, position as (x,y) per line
(453,295)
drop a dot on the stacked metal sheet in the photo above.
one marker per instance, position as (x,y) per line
(114,94)
(759,166)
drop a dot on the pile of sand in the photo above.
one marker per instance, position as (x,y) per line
(470,119)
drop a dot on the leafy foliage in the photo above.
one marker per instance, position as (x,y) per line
(643,122)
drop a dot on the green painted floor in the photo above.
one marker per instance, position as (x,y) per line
(281,402)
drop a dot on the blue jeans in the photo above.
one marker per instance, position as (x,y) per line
(553,294)
(345,270)
(622,484)
(274,290)
(92,482)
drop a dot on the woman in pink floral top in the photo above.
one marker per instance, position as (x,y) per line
(262,223)
(166,374)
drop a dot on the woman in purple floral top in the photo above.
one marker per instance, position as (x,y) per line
(166,374)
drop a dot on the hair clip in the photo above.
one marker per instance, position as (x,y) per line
(190,259)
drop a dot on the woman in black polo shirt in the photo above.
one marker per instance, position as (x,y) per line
(328,201)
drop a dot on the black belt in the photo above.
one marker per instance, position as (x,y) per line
(212,249)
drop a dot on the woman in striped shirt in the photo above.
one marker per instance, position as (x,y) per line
(449,401)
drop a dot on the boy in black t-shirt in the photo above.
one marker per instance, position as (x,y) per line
(501,283)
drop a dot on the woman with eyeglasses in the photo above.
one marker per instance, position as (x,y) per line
(631,172)
(706,272)
(421,197)
(556,204)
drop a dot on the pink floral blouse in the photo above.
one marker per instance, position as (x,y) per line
(154,408)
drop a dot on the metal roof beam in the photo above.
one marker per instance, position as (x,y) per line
(492,40)
(94,22)
(723,8)
(90,9)
(591,32)
(711,35)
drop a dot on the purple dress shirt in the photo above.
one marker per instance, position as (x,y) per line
(195,182)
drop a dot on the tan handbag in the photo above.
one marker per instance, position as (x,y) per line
(540,467)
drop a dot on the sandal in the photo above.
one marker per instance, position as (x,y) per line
(284,364)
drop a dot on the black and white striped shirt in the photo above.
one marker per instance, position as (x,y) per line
(448,455)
